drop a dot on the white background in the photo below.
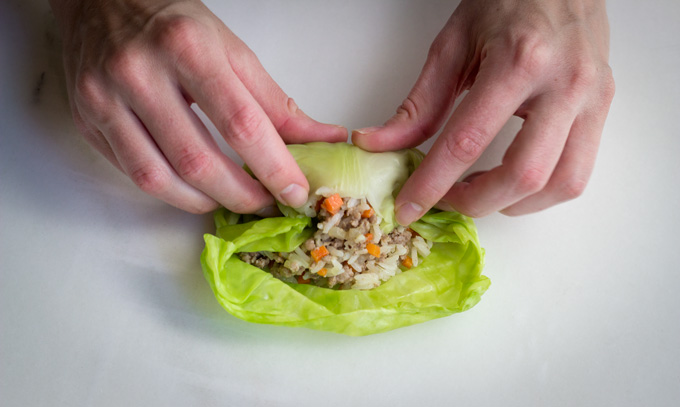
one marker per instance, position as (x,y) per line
(103,302)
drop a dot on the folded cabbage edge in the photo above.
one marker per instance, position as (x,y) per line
(448,281)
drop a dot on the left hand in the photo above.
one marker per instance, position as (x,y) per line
(544,61)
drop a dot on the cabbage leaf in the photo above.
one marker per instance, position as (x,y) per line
(350,171)
(449,280)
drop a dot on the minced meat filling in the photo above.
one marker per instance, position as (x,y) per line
(347,251)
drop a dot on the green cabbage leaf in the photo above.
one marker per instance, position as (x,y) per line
(447,281)
(350,171)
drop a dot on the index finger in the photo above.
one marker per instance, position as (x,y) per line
(494,97)
(245,126)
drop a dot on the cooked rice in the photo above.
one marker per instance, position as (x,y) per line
(348,263)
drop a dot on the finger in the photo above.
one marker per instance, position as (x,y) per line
(492,100)
(572,172)
(430,100)
(141,160)
(94,137)
(192,152)
(527,165)
(245,126)
(288,119)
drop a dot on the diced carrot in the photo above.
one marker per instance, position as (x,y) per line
(369,236)
(367,213)
(407,262)
(319,253)
(322,272)
(332,204)
(373,249)
(302,280)
(413,232)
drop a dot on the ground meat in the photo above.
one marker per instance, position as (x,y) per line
(278,258)
(295,267)
(323,214)
(280,272)
(289,266)
(342,278)
(257,259)
(400,236)
(332,242)
(351,219)
(365,224)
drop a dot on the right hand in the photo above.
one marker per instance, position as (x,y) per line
(133,69)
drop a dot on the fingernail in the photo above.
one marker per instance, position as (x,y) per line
(294,195)
(408,213)
(268,212)
(445,206)
(366,130)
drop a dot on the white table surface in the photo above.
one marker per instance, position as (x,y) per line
(103,302)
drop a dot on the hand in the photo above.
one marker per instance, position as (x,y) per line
(133,69)
(542,60)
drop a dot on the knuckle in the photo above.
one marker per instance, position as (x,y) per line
(572,188)
(531,179)
(467,146)
(181,36)
(413,111)
(532,54)
(588,78)
(408,109)
(581,80)
(126,65)
(195,166)
(244,128)
(88,89)
(177,32)
(439,49)
(292,107)
(151,179)
(288,116)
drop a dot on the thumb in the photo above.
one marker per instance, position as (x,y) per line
(428,103)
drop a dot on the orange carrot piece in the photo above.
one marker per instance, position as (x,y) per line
(373,249)
(407,262)
(302,280)
(319,253)
(369,236)
(322,272)
(332,204)
(367,213)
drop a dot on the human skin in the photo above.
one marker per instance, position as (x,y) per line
(133,69)
(545,61)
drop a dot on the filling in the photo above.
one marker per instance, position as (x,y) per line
(347,251)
